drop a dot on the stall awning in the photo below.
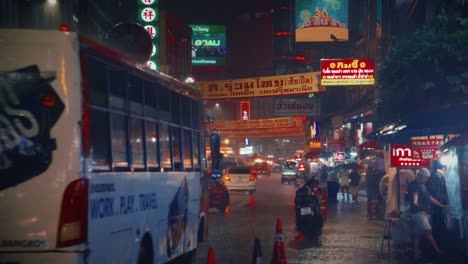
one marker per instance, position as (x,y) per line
(446,120)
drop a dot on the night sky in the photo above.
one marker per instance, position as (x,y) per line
(211,11)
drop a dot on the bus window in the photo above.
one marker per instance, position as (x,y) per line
(175,106)
(117,83)
(99,117)
(99,139)
(196,117)
(151,100)
(187,110)
(164,105)
(152,138)
(117,101)
(98,94)
(176,148)
(187,146)
(119,141)
(164,147)
(196,151)
(135,98)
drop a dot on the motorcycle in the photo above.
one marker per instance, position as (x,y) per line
(309,221)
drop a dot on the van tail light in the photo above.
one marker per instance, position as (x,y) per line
(227,178)
(252,177)
(73,219)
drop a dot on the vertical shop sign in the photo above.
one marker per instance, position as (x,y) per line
(245,110)
(148,17)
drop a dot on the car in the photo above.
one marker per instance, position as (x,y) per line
(289,171)
(231,162)
(262,168)
(240,179)
(218,195)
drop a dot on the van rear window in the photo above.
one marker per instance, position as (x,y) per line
(240,170)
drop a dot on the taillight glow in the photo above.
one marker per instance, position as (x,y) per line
(252,178)
(64,28)
(49,100)
(73,219)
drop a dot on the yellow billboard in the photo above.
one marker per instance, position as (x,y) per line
(281,85)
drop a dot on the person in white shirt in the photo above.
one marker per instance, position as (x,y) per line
(343,177)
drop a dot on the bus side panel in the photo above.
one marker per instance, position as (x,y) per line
(31,192)
(126,206)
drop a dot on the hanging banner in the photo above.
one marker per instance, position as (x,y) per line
(281,85)
(268,123)
(259,128)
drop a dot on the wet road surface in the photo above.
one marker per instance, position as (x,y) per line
(348,237)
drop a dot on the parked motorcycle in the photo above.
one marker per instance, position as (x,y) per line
(309,221)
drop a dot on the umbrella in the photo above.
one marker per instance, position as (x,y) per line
(340,167)
(326,155)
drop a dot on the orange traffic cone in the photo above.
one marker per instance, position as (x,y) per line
(279,255)
(257,253)
(211,256)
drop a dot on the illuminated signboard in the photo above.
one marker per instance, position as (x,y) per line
(245,110)
(279,85)
(402,156)
(321,20)
(208,45)
(347,72)
(148,17)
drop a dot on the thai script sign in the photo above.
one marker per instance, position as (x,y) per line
(347,72)
(297,106)
(263,133)
(403,156)
(256,123)
(259,128)
(293,84)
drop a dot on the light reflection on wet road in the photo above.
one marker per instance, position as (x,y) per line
(348,236)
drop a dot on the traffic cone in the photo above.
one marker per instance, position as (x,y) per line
(211,256)
(279,255)
(257,253)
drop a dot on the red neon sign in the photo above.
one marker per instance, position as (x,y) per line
(402,156)
(245,110)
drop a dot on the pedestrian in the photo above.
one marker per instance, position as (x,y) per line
(355,180)
(383,192)
(420,208)
(372,188)
(437,189)
(343,178)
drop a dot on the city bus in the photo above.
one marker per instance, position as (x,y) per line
(102,160)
